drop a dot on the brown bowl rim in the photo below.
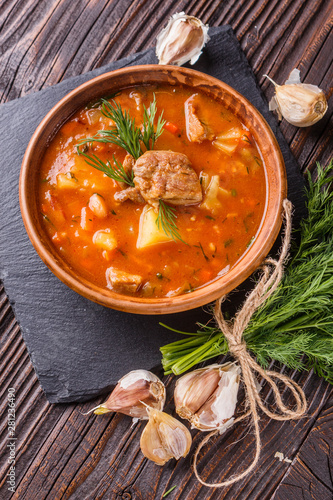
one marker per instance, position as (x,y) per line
(167,305)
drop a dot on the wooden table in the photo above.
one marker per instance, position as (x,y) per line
(61,453)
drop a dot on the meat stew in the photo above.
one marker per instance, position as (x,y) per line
(205,167)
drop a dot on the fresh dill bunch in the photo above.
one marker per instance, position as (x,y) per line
(166,220)
(295,325)
(115,172)
(125,133)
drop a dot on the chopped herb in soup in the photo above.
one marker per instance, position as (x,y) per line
(152,192)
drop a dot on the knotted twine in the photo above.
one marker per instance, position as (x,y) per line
(272,272)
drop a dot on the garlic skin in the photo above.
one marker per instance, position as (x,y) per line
(182,40)
(164,437)
(207,397)
(133,393)
(301,104)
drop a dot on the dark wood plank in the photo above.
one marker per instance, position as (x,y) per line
(311,474)
(60,452)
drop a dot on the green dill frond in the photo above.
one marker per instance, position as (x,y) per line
(166,220)
(115,172)
(125,133)
(149,136)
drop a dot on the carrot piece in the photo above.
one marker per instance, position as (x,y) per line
(206,275)
(251,202)
(171,127)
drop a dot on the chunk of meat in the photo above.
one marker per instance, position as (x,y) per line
(168,176)
(128,165)
(122,282)
(196,130)
(131,193)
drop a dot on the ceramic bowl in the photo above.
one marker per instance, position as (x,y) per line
(154,74)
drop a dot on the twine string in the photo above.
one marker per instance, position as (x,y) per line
(272,272)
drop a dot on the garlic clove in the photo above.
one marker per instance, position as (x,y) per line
(206,404)
(193,389)
(182,40)
(301,104)
(220,407)
(133,393)
(164,437)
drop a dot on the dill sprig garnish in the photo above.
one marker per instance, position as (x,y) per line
(125,133)
(166,220)
(128,136)
(149,135)
(115,172)
(295,325)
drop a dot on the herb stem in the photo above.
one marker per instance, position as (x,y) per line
(178,331)
(169,491)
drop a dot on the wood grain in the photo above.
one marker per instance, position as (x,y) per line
(311,475)
(60,452)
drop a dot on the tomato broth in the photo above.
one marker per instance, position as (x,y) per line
(95,233)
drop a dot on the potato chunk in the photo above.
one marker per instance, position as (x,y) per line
(149,233)
(228,141)
(67,181)
(105,240)
(210,201)
(80,165)
(98,206)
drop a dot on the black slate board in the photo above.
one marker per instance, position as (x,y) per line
(78,348)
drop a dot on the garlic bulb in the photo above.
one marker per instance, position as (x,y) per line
(181,40)
(301,104)
(164,437)
(207,397)
(133,393)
